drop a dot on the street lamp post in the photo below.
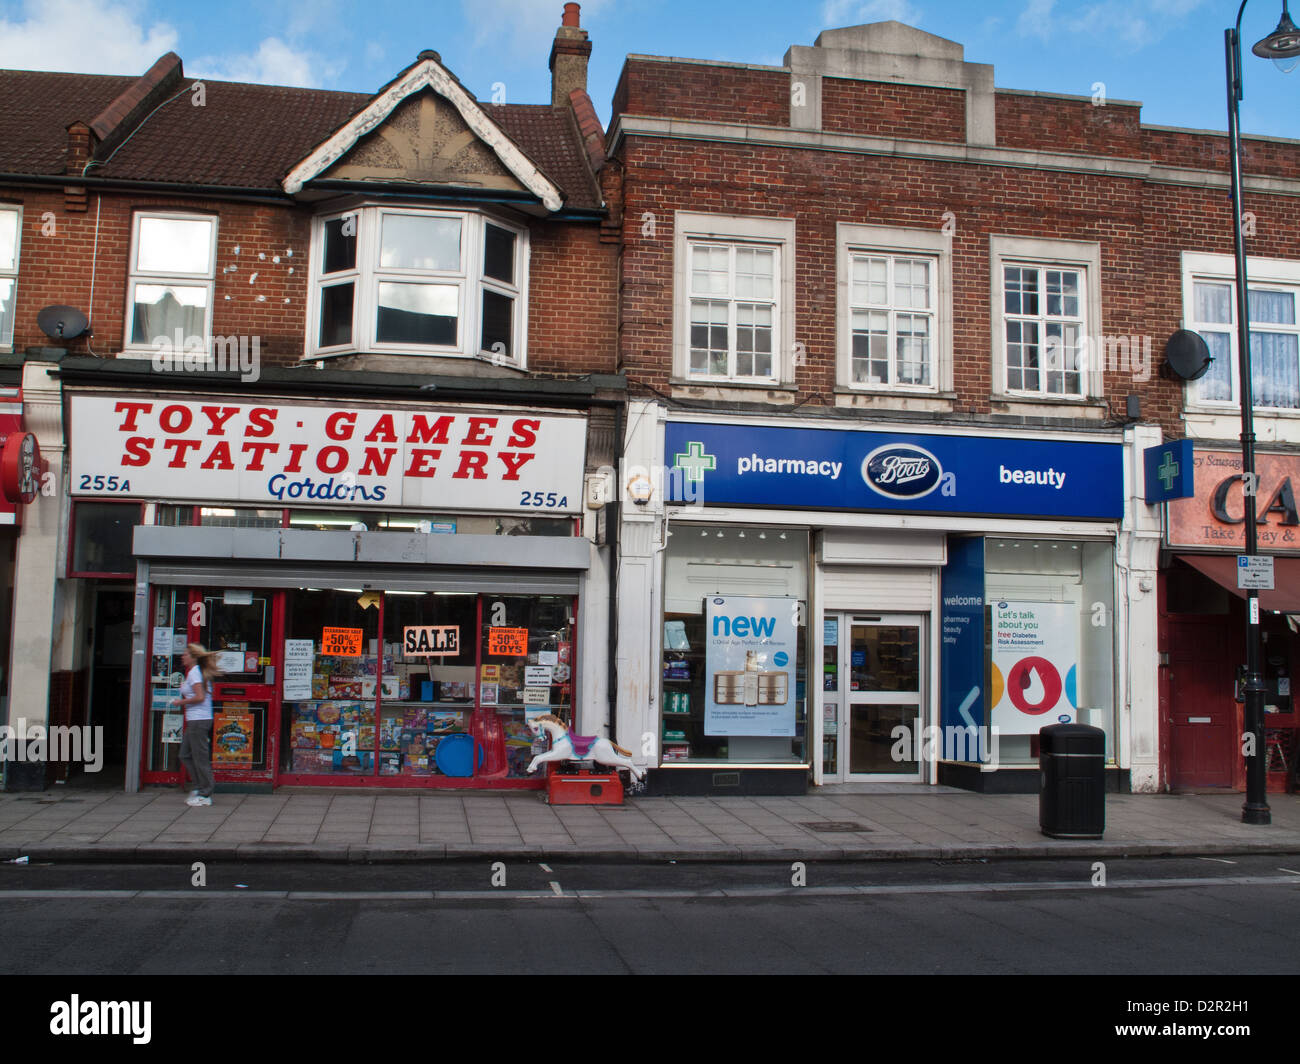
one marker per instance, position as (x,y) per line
(1283,47)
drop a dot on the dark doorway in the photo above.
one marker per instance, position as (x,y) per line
(110,675)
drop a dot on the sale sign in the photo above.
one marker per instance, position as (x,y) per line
(1035,665)
(431,640)
(341,642)
(508,642)
(439,459)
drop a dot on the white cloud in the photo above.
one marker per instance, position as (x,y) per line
(837,13)
(1036,19)
(523,23)
(84,37)
(1135,23)
(274,63)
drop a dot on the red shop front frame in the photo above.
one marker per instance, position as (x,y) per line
(245,627)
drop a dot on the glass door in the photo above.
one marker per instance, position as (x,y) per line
(238,624)
(881,687)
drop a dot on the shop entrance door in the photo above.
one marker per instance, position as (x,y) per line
(873,684)
(243,627)
(1202,711)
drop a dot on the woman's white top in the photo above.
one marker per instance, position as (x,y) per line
(198,710)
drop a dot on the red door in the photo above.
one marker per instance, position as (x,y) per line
(1202,710)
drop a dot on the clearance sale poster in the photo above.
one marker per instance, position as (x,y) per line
(1035,665)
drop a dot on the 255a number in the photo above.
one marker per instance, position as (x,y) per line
(102,483)
(551,500)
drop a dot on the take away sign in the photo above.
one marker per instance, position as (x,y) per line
(288,455)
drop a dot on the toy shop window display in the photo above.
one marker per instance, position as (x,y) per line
(427,703)
(526,671)
(332,673)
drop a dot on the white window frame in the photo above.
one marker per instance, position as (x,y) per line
(1045,254)
(892,243)
(7,342)
(131,349)
(1276,274)
(469,279)
(776,234)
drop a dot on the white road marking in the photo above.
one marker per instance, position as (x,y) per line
(1219,860)
(1294,873)
(556,887)
(544,867)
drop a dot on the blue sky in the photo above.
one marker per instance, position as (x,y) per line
(1166,53)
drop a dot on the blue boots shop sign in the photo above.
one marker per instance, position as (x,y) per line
(839,469)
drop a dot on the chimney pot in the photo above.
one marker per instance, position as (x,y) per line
(571,12)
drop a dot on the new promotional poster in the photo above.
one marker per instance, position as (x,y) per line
(1035,664)
(750,653)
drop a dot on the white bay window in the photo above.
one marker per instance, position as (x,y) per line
(412,281)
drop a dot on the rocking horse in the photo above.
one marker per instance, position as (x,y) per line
(568,747)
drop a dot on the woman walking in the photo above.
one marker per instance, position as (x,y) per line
(196,698)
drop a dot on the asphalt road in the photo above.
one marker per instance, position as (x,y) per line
(1185,916)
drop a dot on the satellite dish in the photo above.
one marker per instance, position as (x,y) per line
(61,322)
(1187,355)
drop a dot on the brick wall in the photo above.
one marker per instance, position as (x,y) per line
(571,295)
(704,92)
(880,109)
(1142,227)
(1045,123)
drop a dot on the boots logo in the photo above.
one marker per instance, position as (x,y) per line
(901,471)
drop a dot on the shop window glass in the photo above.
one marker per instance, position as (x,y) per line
(331,679)
(1066,591)
(232,517)
(429,696)
(165,514)
(236,624)
(102,538)
(434,524)
(526,651)
(169,636)
(745,564)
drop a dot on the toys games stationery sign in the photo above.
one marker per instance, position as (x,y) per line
(365,456)
(1035,665)
(750,652)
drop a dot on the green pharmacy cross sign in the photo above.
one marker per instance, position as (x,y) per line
(695,462)
(1168,471)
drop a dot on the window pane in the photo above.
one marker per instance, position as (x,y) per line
(499,254)
(341,247)
(870,282)
(1274,368)
(239,517)
(336,315)
(410,242)
(417,314)
(174,245)
(913,349)
(754,273)
(709,266)
(102,542)
(498,319)
(1216,385)
(160,310)
(753,340)
(912,284)
(6,311)
(1213,303)
(708,337)
(1062,293)
(1274,308)
(1021,290)
(1022,355)
(8,240)
(870,347)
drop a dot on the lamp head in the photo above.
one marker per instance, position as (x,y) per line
(1282,45)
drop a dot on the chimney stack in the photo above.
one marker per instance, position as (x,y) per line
(568,61)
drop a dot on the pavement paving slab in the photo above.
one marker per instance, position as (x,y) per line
(296,823)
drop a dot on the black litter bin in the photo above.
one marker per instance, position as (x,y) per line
(1072,781)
